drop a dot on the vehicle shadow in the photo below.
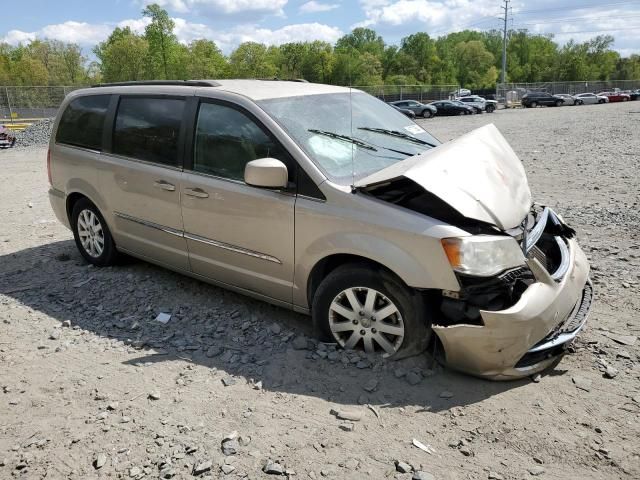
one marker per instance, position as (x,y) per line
(213,327)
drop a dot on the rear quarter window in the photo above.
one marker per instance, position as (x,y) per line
(82,122)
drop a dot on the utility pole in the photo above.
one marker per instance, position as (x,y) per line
(503,76)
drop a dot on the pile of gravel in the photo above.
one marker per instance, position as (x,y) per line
(37,134)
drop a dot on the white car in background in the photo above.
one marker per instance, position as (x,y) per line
(589,99)
(568,99)
(479,103)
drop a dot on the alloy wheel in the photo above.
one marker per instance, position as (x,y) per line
(90,233)
(364,317)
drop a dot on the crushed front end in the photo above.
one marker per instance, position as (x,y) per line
(521,321)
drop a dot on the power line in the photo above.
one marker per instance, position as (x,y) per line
(576,7)
(593,31)
(575,19)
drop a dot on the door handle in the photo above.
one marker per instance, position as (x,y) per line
(170,187)
(196,192)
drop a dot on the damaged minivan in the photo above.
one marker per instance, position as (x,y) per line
(326,200)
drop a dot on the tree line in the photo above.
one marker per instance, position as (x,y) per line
(468,58)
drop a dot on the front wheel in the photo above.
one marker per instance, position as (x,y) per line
(363,307)
(625,99)
(490,108)
(579,102)
(601,102)
(534,104)
(558,103)
(426,113)
(92,235)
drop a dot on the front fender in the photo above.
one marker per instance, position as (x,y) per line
(423,265)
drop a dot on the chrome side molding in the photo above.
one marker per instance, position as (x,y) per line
(198,238)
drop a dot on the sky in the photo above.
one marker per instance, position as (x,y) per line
(273,22)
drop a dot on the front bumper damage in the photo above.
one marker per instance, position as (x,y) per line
(533,333)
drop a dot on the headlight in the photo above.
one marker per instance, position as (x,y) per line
(482,255)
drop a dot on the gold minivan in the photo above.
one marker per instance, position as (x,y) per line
(327,201)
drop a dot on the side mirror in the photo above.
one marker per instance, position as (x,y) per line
(266,173)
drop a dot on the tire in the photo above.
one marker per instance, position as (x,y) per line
(426,113)
(533,104)
(408,329)
(462,112)
(558,103)
(625,99)
(600,102)
(579,102)
(92,235)
(490,108)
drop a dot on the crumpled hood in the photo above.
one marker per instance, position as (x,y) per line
(478,174)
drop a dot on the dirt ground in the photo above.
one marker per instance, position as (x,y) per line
(92,386)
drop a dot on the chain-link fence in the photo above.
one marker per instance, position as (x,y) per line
(511,93)
(23,103)
(421,93)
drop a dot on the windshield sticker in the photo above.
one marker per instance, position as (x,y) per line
(415,129)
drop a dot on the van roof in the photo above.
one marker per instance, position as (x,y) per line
(254,89)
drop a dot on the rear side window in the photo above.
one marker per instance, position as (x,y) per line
(148,129)
(82,122)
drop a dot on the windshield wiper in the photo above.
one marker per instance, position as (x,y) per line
(346,138)
(396,133)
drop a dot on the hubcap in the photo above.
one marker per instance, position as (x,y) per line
(362,317)
(90,233)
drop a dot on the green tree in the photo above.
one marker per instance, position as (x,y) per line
(162,42)
(206,60)
(421,54)
(251,60)
(122,56)
(476,67)
(364,40)
(318,62)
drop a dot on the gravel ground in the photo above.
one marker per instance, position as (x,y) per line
(36,134)
(91,386)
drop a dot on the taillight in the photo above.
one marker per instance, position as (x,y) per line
(49,166)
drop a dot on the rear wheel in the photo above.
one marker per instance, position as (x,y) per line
(362,307)
(92,235)
(625,99)
(534,104)
(579,102)
(558,103)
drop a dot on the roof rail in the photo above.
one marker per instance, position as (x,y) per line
(184,83)
(276,79)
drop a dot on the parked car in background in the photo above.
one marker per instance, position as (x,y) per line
(568,99)
(450,107)
(420,109)
(405,111)
(616,96)
(480,103)
(533,99)
(634,94)
(351,213)
(589,99)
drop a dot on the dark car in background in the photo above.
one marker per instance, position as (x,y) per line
(405,111)
(533,99)
(448,107)
(420,109)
